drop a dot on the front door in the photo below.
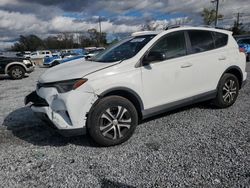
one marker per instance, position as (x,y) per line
(169,73)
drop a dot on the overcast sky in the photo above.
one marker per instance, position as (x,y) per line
(45,17)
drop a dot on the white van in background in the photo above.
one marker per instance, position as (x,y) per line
(40,54)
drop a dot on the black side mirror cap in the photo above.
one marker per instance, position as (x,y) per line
(154,56)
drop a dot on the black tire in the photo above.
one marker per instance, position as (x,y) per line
(113,113)
(16,72)
(248,57)
(227,91)
(55,63)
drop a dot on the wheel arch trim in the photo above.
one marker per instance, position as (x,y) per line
(127,90)
(234,67)
(13,64)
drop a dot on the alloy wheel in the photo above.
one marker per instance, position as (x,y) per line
(17,73)
(115,122)
(229,91)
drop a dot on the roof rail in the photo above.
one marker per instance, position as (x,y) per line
(177,26)
(172,27)
(209,26)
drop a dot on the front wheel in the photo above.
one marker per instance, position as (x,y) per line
(112,121)
(16,72)
(227,92)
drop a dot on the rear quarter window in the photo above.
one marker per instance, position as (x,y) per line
(201,41)
(220,39)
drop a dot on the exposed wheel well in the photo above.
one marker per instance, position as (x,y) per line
(135,100)
(15,65)
(236,73)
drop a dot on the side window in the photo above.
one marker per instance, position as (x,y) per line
(43,53)
(171,46)
(201,41)
(220,39)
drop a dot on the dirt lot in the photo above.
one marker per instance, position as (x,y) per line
(196,146)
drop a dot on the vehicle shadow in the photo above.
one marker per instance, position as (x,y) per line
(43,66)
(7,77)
(24,124)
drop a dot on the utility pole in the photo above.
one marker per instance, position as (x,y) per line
(238,20)
(238,16)
(217,11)
(100,30)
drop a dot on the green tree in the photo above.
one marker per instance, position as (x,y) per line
(61,41)
(28,43)
(238,29)
(209,16)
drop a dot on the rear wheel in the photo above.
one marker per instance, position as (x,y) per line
(16,72)
(112,121)
(228,91)
(55,63)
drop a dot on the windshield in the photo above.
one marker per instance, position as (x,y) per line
(125,49)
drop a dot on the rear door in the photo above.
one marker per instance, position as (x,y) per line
(209,56)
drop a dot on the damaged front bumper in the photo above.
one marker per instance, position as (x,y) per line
(66,112)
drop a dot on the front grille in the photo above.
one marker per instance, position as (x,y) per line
(35,99)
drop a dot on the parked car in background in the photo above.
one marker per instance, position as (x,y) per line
(25,54)
(93,52)
(244,43)
(15,67)
(144,75)
(79,51)
(64,57)
(40,54)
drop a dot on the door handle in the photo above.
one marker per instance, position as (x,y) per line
(222,58)
(186,65)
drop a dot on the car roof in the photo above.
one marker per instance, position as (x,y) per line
(180,28)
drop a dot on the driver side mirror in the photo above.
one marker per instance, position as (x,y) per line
(154,56)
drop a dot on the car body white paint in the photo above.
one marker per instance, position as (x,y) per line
(156,84)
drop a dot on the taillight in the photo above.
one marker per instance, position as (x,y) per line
(242,50)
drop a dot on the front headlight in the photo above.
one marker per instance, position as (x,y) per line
(64,86)
(26,62)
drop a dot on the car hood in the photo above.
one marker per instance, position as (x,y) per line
(72,70)
(18,59)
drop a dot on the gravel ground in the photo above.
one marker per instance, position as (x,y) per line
(196,146)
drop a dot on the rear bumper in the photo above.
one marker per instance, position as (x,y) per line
(47,64)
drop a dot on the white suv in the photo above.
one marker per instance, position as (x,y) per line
(141,76)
